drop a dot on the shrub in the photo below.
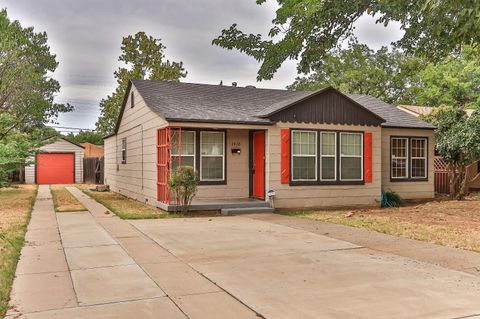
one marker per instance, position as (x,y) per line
(184,183)
(391,199)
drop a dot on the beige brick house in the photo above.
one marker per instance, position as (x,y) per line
(312,149)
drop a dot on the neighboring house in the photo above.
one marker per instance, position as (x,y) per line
(417,110)
(92,150)
(473,170)
(313,149)
(60,162)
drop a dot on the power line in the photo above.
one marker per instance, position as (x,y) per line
(71,128)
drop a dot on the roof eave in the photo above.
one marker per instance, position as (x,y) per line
(410,127)
(172,119)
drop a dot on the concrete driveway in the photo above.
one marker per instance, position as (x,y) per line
(93,265)
(281,272)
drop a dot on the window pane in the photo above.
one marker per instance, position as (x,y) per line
(212,143)
(418,168)
(328,167)
(351,168)
(351,144)
(418,147)
(185,161)
(304,143)
(303,168)
(212,168)
(328,143)
(399,147)
(399,168)
(188,143)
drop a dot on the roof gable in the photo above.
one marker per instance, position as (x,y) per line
(324,106)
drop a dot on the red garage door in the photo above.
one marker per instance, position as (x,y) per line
(55,168)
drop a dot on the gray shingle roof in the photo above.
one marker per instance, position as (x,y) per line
(393,116)
(214,103)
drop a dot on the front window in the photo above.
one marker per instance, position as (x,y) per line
(186,148)
(408,158)
(351,156)
(212,156)
(304,155)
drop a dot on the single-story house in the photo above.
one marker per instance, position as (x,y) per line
(60,162)
(92,150)
(310,149)
(473,170)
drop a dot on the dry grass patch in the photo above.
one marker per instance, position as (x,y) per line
(15,208)
(124,207)
(127,208)
(448,223)
(64,201)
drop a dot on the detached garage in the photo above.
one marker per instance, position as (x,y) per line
(60,162)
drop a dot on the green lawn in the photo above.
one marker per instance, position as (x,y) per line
(15,209)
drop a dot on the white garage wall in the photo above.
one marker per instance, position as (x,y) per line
(59,146)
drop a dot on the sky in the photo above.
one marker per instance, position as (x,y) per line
(86,35)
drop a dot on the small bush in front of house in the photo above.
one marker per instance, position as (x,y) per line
(184,184)
(391,199)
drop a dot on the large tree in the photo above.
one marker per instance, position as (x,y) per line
(27,92)
(144,58)
(455,81)
(309,29)
(385,74)
(456,139)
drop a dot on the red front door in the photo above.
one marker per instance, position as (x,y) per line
(55,168)
(259,164)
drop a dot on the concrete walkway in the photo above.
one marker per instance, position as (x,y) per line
(95,265)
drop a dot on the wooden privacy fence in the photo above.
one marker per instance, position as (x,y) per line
(93,168)
(442,181)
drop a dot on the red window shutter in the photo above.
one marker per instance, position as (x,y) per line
(285,156)
(367,157)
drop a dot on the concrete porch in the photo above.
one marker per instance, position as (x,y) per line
(198,204)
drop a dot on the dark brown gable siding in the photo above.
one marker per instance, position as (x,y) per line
(329,107)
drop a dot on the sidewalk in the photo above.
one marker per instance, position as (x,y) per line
(95,265)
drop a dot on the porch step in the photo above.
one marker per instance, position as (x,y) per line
(246,210)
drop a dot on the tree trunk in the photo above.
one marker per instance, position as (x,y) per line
(463,186)
(452,177)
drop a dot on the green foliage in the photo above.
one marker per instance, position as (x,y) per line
(86,137)
(26,93)
(184,183)
(144,58)
(457,140)
(391,199)
(454,81)
(15,148)
(384,74)
(308,30)
(26,86)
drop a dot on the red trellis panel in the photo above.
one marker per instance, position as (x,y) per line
(164,146)
(367,154)
(285,155)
